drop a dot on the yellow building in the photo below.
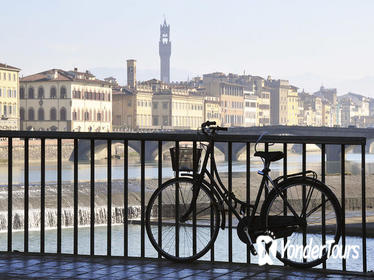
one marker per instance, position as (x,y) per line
(177,108)
(132,108)
(326,114)
(212,109)
(9,97)
(292,106)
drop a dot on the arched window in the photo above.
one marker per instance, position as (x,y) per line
(53,114)
(53,93)
(63,114)
(22,93)
(41,114)
(63,92)
(74,116)
(31,114)
(31,93)
(40,92)
(22,114)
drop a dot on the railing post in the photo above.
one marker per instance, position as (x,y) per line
(75,198)
(42,195)
(26,197)
(109,199)
(142,198)
(59,195)
(363,202)
(10,193)
(92,197)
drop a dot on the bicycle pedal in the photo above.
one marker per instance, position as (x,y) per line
(253,250)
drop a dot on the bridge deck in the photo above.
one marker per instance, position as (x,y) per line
(19,266)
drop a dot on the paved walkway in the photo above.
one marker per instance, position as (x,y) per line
(17,266)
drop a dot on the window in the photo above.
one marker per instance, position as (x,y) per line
(15,93)
(9,76)
(155,106)
(22,114)
(154,120)
(14,77)
(53,114)
(53,92)
(99,116)
(74,116)
(165,120)
(9,93)
(31,114)
(129,103)
(41,114)
(40,92)
(86,116)
(63,92)
(1,92)
(164,105)
(63,114)
(4,76)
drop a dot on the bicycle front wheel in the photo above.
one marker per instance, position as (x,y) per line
(312,230)
(182,222)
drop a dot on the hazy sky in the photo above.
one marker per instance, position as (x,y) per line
(307,42)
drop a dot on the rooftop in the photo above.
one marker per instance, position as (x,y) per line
(8,67)
(61,75)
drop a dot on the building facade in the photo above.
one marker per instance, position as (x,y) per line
(177,108)
(250,108)
(9,97)
(65,101)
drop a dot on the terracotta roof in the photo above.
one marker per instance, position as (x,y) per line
(6,66)
(61,75)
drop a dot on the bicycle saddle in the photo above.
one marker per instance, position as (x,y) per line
(270,156)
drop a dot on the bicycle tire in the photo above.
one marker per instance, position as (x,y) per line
(206,213)
(315,219)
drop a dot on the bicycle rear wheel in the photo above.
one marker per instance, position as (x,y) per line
(175,235)
(319,224)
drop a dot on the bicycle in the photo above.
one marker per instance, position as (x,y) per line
(185,213)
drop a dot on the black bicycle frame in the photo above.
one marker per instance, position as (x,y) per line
(223,194)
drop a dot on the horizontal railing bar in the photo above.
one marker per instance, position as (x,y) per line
(183,136)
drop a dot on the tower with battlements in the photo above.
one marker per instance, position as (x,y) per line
(165,52)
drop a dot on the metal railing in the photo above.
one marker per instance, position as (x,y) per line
(160,139)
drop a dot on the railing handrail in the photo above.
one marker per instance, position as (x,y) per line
(191,135)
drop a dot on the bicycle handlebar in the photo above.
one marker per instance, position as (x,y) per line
(207,125)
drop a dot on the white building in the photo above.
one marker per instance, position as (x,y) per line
(250,108)
(65,101)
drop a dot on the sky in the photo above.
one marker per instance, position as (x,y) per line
(310,43)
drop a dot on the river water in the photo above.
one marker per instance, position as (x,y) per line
(151,168)
(151,171)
